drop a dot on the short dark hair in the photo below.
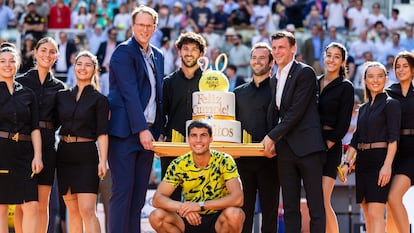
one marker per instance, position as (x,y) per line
(200,123)
(378,22)
(395,10)
(232,66)
(191,37)
(111,29)
(284,34)
(262,45)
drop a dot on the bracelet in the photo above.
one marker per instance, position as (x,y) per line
(346,163)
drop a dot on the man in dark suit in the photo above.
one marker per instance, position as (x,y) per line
(104,54)
(66,49)
(136,71)
(296,137)
(312,49)
(106,49)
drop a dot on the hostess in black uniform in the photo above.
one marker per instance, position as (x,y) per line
(336,102)
(378,122)
(404,159)
(258,174)
(46,93)
(82,121)
(18,118)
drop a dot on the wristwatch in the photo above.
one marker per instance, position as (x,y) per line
(201,204)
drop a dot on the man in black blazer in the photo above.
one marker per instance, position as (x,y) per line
(296,135)
(105,50)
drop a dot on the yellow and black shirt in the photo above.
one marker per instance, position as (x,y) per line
(204,184)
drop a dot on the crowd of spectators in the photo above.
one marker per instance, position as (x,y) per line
(230,27)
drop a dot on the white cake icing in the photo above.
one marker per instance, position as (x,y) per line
(218,108)
(214,103)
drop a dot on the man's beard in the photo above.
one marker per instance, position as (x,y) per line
(261,72)
(192,64)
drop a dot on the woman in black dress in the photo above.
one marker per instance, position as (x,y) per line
(83,114)
(374,145)
(403,167)
(336,100)
(20,143)
(42,81)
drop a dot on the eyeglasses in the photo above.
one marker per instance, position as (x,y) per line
(144,26)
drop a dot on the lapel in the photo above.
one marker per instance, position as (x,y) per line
(273,85)
(158,64)
(140,61)
(159,74)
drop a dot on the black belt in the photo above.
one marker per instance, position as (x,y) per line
(15,136)
(374,145)
(150,125)
(46,125)
(407,132)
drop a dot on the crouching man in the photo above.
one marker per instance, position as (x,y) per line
(212,190)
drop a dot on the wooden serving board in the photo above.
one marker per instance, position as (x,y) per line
(233,149)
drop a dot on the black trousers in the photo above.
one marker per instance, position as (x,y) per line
(259,175)
(292,171)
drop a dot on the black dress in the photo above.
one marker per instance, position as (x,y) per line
(335,107)
(77,162)
(404,159)
(46,96)
(379,122)
(18,114)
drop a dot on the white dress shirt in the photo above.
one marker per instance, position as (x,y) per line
(151,108)
(281,76)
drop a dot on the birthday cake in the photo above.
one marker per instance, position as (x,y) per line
(216,105)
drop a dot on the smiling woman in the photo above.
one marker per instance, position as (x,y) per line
(375,78)
(334,88)
(86,69)
(83,115)
(20,142)
(43,82)
(374,144)
(403,179)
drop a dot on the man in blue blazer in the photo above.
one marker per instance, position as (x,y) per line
(296,135)
(136,71)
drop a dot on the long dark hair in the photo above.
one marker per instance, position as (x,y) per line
(408,56)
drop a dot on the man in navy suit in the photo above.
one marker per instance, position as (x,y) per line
(296,135)
(135,97)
